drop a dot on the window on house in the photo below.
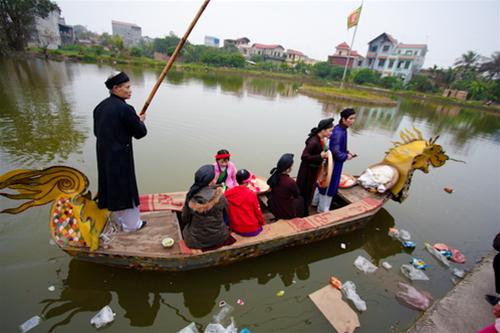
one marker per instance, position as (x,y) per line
(407,65)
(381,62)
(373,48)
(370,62)
(400,63)
(360,63)
(391,63)
(408,52)
(386,48)
(415,53)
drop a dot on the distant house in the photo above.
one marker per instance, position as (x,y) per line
(344,55)
(241,44)
(212,41)
(294,56)
(130,33)
(66,32)
(46,33)
(391,58)
(273,52)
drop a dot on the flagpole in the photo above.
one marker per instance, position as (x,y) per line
(350,48)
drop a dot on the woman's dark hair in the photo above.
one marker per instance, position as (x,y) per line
(222,151)
(242,175)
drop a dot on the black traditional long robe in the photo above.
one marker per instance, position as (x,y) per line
(115,123)
(308,172)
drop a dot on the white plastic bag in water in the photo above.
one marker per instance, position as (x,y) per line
(103,317)
(218,328)
(349,290)
(364,265)
(413,273)
(191,328)
(438,255)
(223,313)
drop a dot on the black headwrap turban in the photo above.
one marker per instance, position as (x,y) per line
(116,80)
(346,113)
(203,176)
(285,162)
(323,124)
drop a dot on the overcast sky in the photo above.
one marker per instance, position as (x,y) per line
(449,28)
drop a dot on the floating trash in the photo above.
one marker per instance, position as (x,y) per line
(458,272)
(448,189)
(409,244)
(191,328)
(239,301)
(336,282)
(349,290)
(364,265)
(29,324)
(386,265)
(412,273)
(222,303)
(51,288)
(418,263)
(412,297)
(280,293)
(343,246)
(103,317)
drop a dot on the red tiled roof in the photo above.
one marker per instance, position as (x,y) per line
(343,45)
(290,51)
(265,46)
(412,46)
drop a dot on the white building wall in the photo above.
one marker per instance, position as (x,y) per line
(47,32)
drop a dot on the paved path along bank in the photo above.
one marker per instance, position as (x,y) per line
(464,308)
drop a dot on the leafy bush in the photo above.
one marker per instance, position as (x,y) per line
(365,76)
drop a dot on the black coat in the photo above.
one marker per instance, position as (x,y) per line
(308,171)
(115,123)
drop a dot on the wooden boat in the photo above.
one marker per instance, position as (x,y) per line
(76,222)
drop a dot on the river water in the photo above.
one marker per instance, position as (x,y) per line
(46,119)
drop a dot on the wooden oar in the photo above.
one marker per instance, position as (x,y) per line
(173,56)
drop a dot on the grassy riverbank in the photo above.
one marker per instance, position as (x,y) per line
(314,87)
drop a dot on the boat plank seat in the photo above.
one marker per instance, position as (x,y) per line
(161,224)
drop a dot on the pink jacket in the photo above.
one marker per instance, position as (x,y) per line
(231,174)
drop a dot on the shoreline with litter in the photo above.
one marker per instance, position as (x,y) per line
(464,308)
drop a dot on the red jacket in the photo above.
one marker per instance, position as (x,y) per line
(244,209)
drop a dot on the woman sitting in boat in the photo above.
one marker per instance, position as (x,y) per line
(203,213)
(285,201)
(244,211)
(225,170)
(311,159)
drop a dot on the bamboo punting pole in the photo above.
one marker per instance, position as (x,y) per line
(174,55)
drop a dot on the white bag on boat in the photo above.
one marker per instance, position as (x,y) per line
(364,265)
(377,177)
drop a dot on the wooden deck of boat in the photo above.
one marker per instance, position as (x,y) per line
(161,224)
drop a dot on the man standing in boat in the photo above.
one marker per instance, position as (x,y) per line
(338,147)
(115,123)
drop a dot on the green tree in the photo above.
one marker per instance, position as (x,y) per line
(17,20)
(421,83)
(365,76)
(391,82)
(322,69)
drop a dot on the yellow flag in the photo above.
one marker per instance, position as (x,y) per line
(353,18)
